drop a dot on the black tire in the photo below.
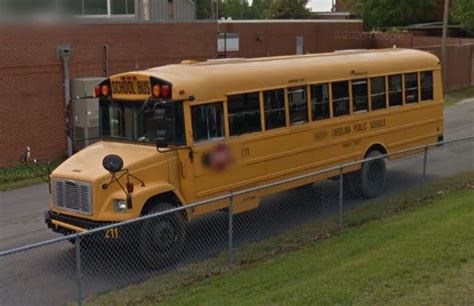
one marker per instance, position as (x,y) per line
(369,181)
(351,184)
(162,238)
(373,175)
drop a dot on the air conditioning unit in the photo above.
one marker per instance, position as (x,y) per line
(85,112)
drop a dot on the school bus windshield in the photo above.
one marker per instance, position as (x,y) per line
(140,121)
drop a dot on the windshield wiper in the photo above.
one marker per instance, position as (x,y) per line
(145,105)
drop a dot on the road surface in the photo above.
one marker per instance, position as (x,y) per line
(46,276)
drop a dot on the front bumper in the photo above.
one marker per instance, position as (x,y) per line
(69,225)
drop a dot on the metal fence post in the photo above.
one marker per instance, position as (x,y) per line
(77,245)
(341,193)
(423,176)
(231,229)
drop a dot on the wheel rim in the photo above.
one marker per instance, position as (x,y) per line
(164,235)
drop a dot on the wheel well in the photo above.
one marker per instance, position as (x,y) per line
(376,147)
(169,197)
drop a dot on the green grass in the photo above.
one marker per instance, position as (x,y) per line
(459,95)
(402,250)
(20,176)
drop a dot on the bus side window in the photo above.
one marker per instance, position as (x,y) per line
(274,105)
(244,113)
(340,98)
(427,85)
(395,90)
(208,122)
(320,101)
(298,105)
(378,93)
(360,95)
(411,87)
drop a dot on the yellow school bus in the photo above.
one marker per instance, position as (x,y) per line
(181,133)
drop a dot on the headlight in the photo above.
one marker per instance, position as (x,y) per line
(120,205)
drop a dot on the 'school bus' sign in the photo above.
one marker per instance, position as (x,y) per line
(126,87)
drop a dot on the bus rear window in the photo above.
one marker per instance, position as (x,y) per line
(244,114)
(427,85)
(320,101)
(360,95)
(274,104)
(411,88)
(395,90)
(340,98)
(378,93)
(298,105)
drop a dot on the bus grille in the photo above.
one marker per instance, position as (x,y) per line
(73,195)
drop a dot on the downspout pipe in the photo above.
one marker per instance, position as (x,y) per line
(64,53)
(106,58)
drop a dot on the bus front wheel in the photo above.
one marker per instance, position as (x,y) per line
(162,238)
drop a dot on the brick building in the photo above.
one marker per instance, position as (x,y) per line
(32,101)
(164,10)
(350,6)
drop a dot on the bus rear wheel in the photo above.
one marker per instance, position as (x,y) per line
(369,181)
(373,176)
(162,238)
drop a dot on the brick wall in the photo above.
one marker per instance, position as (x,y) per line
(32,96)
(279,38)
(460,72)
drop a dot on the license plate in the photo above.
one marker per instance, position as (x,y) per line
(112,233)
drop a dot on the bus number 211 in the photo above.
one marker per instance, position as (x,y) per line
(112,233)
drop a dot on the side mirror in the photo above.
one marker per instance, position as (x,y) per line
(112,163)
(161,139)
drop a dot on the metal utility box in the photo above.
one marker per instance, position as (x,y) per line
(85,112)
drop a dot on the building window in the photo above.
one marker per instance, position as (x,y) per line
(320,101)
(427,85)
(244,114)
(107,8)
(411,88)
(228,42)
(170,9)
(298,105)
(395,90)
(122,7)
(274,105)
(360,95)
(378,93)
(340,98)
(208,122)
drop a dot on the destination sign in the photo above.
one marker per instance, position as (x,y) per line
(131,87)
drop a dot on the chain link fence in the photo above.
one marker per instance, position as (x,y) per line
(162,250)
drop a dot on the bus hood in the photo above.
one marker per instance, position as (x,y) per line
(86,165)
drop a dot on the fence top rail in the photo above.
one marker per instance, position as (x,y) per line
(226,196)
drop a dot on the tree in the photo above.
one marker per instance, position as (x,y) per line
(392,13)
(260,9)
(236,9)
(289,9)
(463,13)
(203,9)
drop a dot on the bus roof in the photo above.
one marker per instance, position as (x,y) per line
(214,79)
